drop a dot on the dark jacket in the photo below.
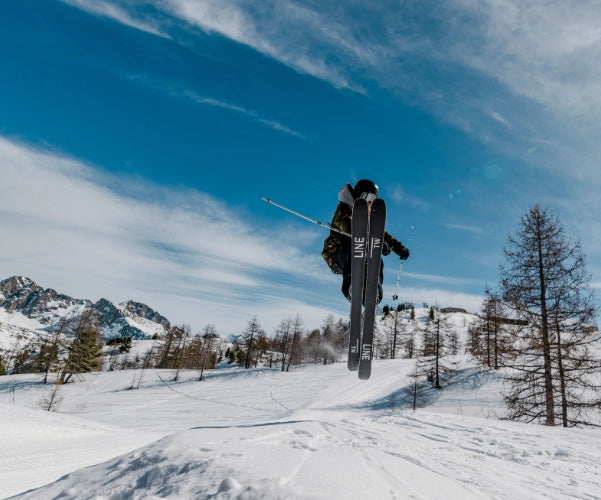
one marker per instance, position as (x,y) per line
(336,247)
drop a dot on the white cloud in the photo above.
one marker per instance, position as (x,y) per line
(184,253)
(110,10)
(548,51)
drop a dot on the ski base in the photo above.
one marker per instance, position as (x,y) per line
(367,240)
(359,228)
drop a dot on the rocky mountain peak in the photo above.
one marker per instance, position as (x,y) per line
(146,312)
(15,284)
(49,308)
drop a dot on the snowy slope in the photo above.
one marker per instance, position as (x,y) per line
(315,432)
(14,336)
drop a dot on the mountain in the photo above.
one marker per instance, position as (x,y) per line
(28,306)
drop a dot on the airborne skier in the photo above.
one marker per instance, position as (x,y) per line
(337,247)
(354,249)
(359,260)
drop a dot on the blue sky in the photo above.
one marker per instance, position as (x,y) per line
(137,137)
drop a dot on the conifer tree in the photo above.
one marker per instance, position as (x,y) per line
(545,283)
(85,349)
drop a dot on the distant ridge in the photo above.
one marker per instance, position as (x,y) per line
(48,308)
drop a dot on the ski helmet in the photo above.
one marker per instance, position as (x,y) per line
(365,186)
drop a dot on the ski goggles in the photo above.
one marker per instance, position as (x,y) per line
(370,197)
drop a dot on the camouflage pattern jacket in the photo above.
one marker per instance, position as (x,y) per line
(337,246)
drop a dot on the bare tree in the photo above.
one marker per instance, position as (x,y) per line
(415,390)
(333,339)
(546,285)
(52,401)
(207,356)
(312,346)
(488,341)
(392,331)
(170,350)
(251,336)
(50,350)
(283,340)
(296,347)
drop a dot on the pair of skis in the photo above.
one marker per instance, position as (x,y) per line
(366,255)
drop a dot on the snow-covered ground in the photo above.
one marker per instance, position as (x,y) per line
(315,432)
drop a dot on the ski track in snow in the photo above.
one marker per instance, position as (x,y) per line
(316,432)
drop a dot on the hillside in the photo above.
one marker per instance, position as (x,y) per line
(315,432)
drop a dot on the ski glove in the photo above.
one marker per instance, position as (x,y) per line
(402,251)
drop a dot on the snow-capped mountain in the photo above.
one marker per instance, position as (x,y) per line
(29,307)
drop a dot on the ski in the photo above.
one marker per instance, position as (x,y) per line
(377,222)
(359,228)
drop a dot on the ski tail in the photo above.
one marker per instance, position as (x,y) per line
(377,222)
(359,231)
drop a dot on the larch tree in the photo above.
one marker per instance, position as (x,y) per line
(545,284)
(489,341)
(250,339)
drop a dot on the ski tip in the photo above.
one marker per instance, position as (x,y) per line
(364,376)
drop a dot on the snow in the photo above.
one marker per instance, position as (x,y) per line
(147,326)
(315,432)
(16,318)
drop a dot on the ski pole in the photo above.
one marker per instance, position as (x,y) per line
(269,201)
(398,279)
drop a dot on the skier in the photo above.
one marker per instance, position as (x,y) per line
(337,247)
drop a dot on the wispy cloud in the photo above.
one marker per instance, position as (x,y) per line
(471,229)
(187,254)
(108,9)
(248,113)
(175,91)
(396,192)
(446,280)
(544,50)
(284,30)
(514,74)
